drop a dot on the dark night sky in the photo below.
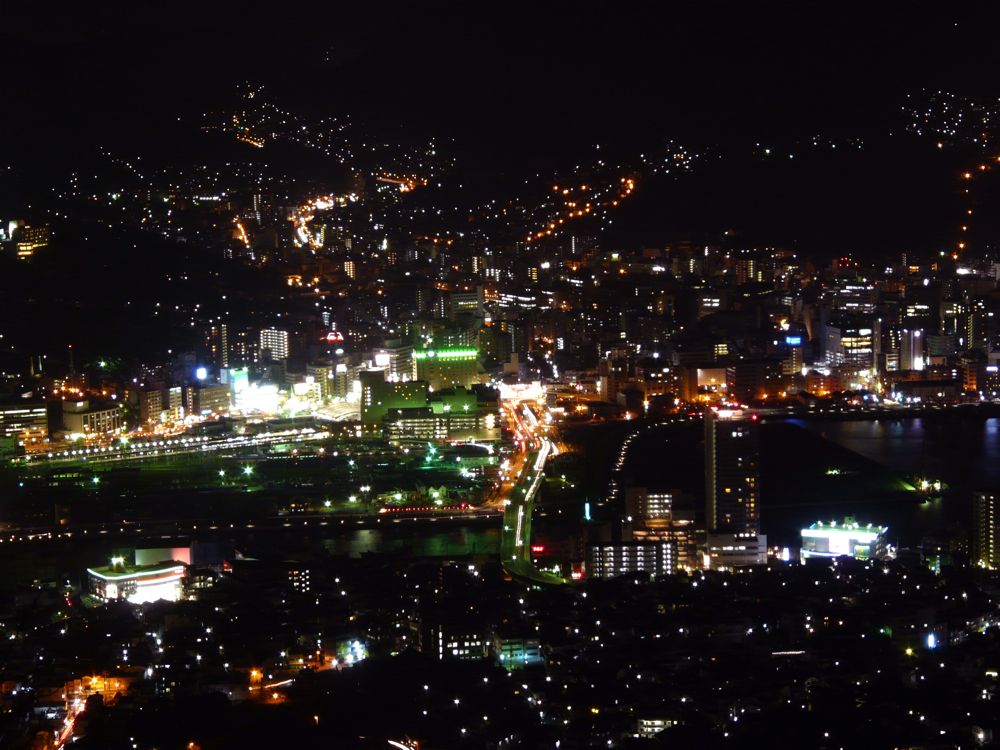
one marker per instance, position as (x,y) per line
(492,71)
(512,82)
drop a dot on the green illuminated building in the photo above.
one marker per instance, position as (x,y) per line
(447,368)
(379,396)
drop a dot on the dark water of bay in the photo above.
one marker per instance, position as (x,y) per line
(961,450)
(826,470)
(426,539)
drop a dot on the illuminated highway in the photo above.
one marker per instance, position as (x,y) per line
(515,544)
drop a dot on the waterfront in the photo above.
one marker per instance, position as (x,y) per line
(825,469)
(960,449)
(428,540)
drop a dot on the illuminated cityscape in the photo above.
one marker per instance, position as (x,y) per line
(448,376)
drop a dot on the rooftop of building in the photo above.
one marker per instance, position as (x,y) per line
(848,525)
(119,569)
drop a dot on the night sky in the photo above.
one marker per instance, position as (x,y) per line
(522,85)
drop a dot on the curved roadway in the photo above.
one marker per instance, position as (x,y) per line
(515,541)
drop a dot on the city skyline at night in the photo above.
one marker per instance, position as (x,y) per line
(444,376)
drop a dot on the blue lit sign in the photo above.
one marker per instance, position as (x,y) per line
(793,340)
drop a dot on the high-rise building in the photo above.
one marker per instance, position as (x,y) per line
(859,344)
(732,479)
(240,346)
(642,504)
(148,401)
(274,341)
(664,517)
(732,472)
(853,297)
(985,517)
(751,380)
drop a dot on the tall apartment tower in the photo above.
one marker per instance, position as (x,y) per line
(985,517)
(732,490)
(274,341)
(732,471)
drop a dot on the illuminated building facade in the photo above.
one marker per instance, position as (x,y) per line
(852,297)
(739,550)
(33,238)
(732,479)
(149,403)
(985,531)
(466,303)
(847,538)
(514,652)
(138,584)
(378,396)
(298,576)
(397,356)
(210,399)
(859,345)
(642,504)
(239,346)
(732,472)
(275,342)
(657,517)
(423,424)
(465,641)
(79,417)
(446,368)
(24,421)
(610,559)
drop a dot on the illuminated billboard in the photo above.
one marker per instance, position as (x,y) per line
(848,538)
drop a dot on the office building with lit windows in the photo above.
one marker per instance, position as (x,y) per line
(80,418)
(379,396)
(24,420)
(446,368)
